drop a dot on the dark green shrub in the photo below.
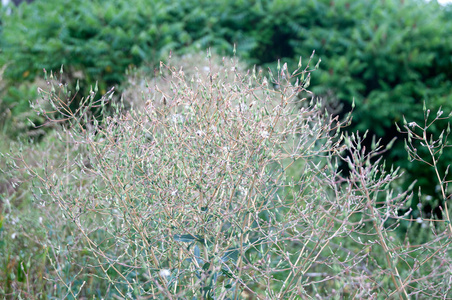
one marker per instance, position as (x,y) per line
(98,40)
(379,53)
(389,56)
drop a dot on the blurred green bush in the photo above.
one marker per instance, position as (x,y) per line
(389,56)
(98,40)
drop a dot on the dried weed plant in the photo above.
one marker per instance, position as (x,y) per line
(226,186)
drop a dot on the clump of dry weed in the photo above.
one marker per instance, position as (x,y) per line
(223,185)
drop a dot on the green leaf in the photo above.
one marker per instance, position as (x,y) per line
(227,273)
(187,238)
(206,266)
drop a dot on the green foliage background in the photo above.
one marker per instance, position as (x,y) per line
(389,56)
